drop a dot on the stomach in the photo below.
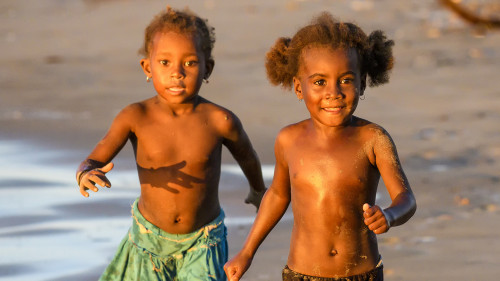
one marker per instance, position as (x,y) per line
(332,244)
(178,203)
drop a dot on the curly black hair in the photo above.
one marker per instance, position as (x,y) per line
(184,22)
(374,51)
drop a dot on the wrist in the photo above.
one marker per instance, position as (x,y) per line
(388,218)
(85,167)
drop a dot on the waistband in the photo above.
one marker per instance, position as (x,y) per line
(373,274)
(148,236)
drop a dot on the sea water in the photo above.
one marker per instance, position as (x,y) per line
(48,230)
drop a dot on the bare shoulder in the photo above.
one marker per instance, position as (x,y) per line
(220,117)
(292,132)
(376,141)
(371,132)
(131,114)
(136,109)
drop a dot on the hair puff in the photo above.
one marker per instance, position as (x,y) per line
(379,60)
(277,64)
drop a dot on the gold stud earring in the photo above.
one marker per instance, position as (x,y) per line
(148,79)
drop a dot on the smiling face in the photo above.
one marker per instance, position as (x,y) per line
(330,82)
(177,66)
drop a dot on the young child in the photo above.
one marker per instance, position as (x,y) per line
(178,231)
(329,165)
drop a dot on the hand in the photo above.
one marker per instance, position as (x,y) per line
(237,266)
(95,176)
(375,219)
(255,197)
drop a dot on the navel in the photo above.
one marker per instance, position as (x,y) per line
(333,252)
(177,219)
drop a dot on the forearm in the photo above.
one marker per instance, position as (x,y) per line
(402,208)
(271,210)
(251,167)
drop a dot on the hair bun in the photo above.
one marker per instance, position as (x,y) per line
(380,60)
(277,63)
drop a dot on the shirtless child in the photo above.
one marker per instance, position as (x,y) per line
(178,231)
(329,166)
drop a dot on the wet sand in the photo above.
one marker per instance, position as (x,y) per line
(67,68)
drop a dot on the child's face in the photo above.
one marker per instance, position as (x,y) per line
(330,82)
(177,65)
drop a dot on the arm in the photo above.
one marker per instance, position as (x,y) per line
(238,143)
(403,204)
(93,169)
(274,205)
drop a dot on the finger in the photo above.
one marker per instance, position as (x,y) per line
(234,276)
(83,192)
(380,230)
(231,273)
(104,182)
(371,217)
(107,167)
(366,206)
(377,224)
(88,184)
(368,213)
(98,179)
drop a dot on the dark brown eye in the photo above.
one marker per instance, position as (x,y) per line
(320,82)
(191,63)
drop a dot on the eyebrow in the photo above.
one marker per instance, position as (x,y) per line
(323,75)
(169,54)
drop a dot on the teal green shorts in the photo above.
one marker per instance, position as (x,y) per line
(148,253)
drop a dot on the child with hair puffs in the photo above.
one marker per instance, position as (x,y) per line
(328,166)
(177,230)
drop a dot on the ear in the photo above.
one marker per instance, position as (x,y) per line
(362,85)
(146,67)
(209,67)
(297,88)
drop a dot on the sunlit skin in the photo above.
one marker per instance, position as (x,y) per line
(328,167)
(177,137)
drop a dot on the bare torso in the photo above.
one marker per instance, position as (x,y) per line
(178,161)
(331,177)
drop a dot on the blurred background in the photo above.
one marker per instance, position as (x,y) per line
(68,67)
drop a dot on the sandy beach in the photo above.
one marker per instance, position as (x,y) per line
(68,67)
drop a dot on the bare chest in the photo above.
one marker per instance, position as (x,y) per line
(161,143)
(329,172)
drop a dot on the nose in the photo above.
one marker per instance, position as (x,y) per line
(334,92)
(177,72)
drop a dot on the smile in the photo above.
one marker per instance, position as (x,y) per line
(332,109)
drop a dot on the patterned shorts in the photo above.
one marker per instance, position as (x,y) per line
(148,253)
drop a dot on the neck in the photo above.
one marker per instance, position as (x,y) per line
(184,108)
(330,131)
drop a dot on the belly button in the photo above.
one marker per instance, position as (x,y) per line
(333,252)
(177,220)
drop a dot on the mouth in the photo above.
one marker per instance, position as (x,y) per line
(176,90)
(334,110)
